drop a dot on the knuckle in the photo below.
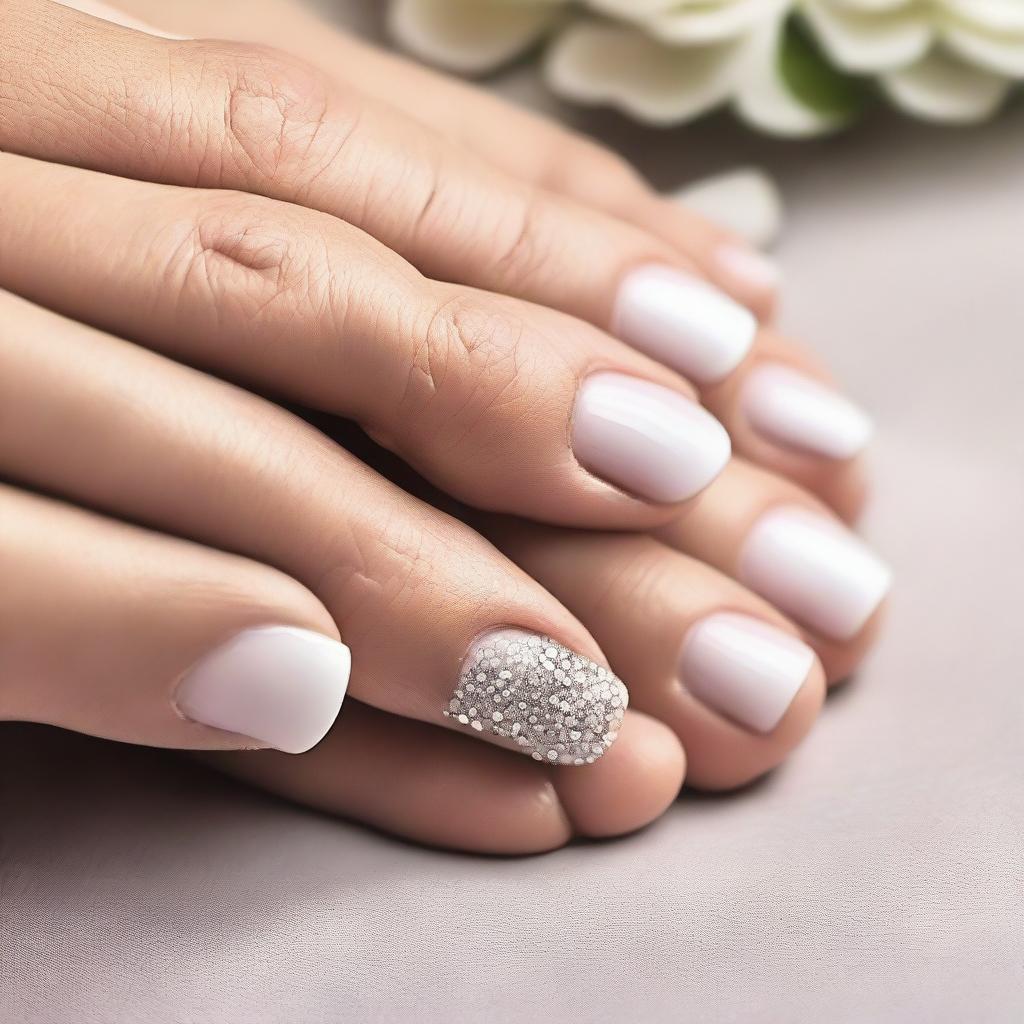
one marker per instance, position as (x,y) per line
(239,251)
(528,244)
(278,116)
(372,571)
(468,363)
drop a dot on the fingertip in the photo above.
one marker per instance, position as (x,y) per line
(633,784)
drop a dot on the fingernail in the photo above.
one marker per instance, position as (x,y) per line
(744,669)
(815,570)
(683,322)
(279,685)
(526,688)
(647,439)
(791,409)
(747,270)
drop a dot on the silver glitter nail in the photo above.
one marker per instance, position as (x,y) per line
(556,705)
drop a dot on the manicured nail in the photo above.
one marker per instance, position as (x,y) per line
(815,570)
(791,409)
(647,439)
(526,688)
(744,669)
(278,685)
(747,271)
(683,322)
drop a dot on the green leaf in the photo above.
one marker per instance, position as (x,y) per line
(808,75)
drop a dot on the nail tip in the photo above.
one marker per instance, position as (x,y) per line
(281,686)
(745,669)
(795,411)
(753,270)
(875,596)
(814,569)
(646,438)
(533,692)
(683,321)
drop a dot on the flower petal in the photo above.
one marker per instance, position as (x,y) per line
(863,42)
(594,62)
(872,5)
(692,24)
(1002,55)
(993,16)
(941,88)
(764,98)
(471,36)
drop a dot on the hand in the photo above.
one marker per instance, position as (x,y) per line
(489,396)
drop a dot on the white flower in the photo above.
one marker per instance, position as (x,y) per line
(948,60)
(667,61)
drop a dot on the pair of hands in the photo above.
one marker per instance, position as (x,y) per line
(506,308)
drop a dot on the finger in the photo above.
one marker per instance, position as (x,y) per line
(435,787)
(784,413)
(151,639)
(545,153)
(200,113)
(425,605)
(704,655)
(780,542)
(502,404)
(455,218)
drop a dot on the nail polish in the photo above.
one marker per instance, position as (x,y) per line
(530,690)
(278,685)
(647,439)
(683,322)
(747,270)
(793,410)
(744,668)
(815,570)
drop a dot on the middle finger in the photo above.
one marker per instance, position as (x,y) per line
(505,405)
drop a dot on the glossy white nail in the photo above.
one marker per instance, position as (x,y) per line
(744,669)
(683,322)
(647,439)
(279,685)
(748,270)
(791,409)
(815,570)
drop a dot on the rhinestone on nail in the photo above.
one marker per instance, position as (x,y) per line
(536,693)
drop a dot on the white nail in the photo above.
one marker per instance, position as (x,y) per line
(279,685)
(647,439)
(744,669)
(683,322)
(815,570)
(791,409)
(747,269)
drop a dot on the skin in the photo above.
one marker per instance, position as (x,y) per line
(433,296)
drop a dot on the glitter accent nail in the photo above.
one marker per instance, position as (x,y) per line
(556,705)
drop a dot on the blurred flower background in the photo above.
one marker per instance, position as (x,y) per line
(787,67)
